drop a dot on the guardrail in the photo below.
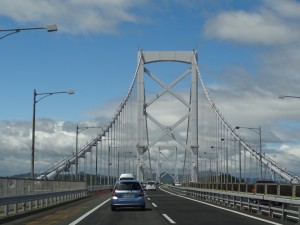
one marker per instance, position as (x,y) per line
(279,190)
(22,195)
(275,200)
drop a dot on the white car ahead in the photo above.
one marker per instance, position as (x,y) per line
(150,185)
(126,176)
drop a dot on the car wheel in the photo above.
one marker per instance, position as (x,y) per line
(113,208)
(143,207)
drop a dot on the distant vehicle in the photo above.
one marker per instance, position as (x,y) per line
(151,185)
(178,184)
(143,184)
(126,176)
(127,193)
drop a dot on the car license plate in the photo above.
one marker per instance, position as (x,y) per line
(128,195)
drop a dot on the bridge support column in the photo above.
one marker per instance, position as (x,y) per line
(140,120)
(194,122)
(158,166)
(140,162)
(194,165)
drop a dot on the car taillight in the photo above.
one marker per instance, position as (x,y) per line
(142,193)
(113,193)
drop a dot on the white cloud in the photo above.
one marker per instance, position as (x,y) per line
(251,100)
(243,98)
(284,147)
(279,69)
(92,16)
(264,26)
(55,140)
(289,9)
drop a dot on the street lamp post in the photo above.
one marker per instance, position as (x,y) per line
(44,95)
(217,164)
(78,129)
(49,28)
(226,156)
(124,154)
(240,162)
(258,131)
(210,175)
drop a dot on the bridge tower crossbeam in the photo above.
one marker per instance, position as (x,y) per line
(187,57)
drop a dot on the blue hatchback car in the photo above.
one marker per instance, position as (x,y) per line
(127,193)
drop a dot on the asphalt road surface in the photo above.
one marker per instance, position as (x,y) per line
(162,208)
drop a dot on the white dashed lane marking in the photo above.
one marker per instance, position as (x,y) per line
(154,205)
(169,219)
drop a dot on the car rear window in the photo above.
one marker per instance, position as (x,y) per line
(150,182)
(128,186)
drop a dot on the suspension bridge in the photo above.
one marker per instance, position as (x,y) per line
(168,123)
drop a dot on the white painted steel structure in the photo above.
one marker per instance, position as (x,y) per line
(147,57)
(128,129)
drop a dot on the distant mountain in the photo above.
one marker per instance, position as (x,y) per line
(25,175)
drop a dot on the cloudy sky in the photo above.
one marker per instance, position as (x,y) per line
(249,54)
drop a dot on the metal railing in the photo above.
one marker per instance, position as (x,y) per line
(274,200)
(22,195)
(291,191)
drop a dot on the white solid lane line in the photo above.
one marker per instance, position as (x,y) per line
(226,209)
(169,219)
(88,213)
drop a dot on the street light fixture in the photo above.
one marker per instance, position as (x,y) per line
(226,155)
(240,156)
(258,131)
(49,28)
(123,154)
(44,95)
(287,96)
(210,175)
(217,163)
(76,163)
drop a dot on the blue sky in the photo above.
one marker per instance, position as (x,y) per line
(99,64)
(248,55)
